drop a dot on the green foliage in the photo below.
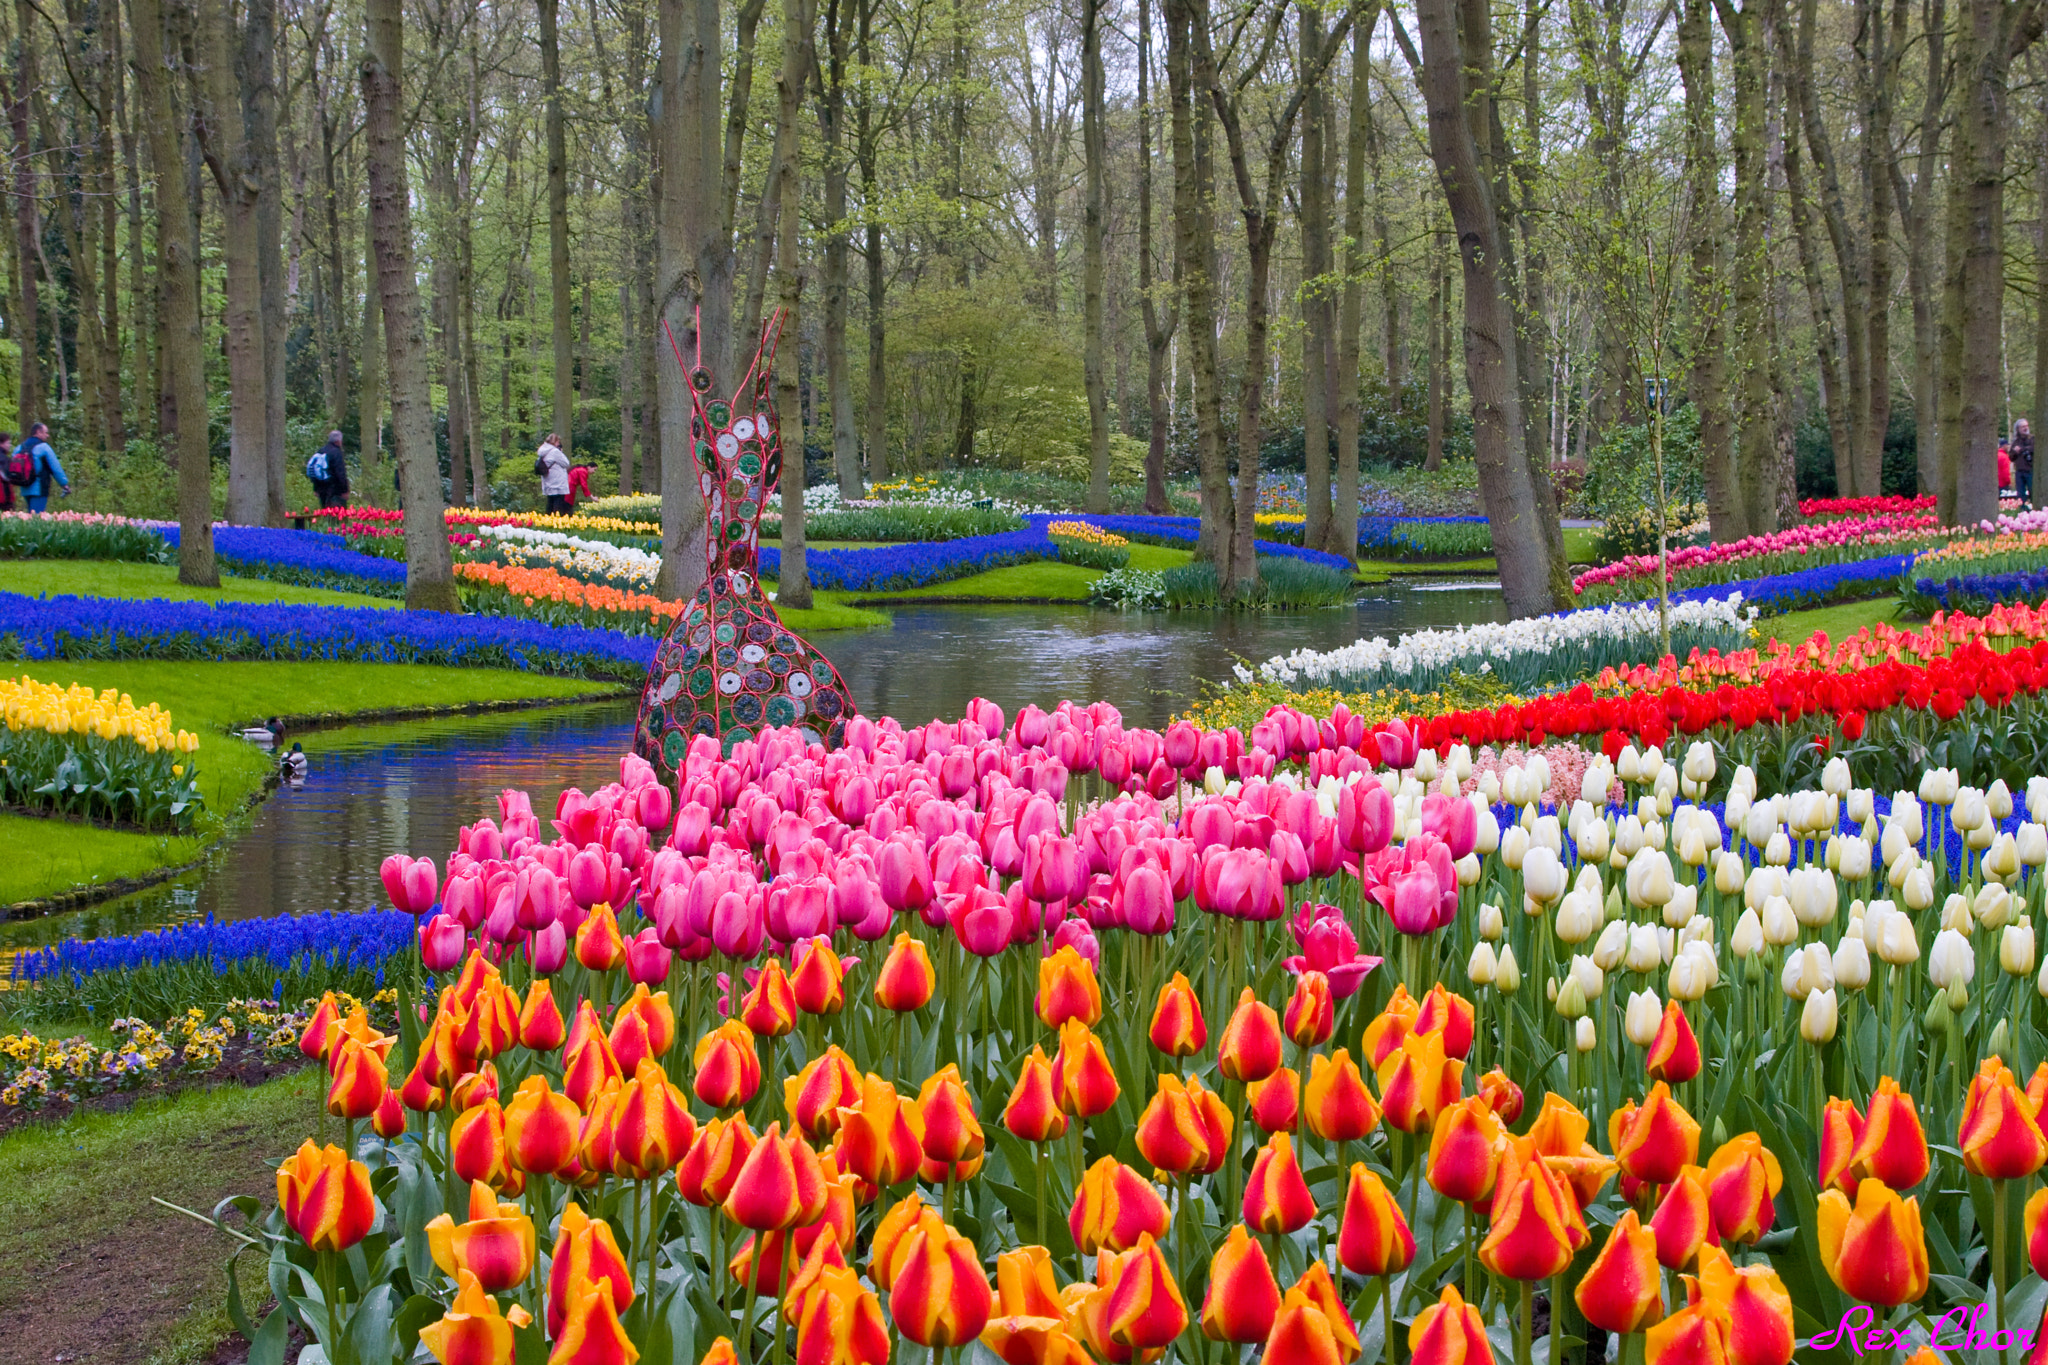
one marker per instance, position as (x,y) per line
(1090,555)
(1633,530)
(1449,490)
(58,538)
(115,780)
(1621,476)
(1284,585)
(1813,452)
(1056,493)
(888,523)
(1129,590)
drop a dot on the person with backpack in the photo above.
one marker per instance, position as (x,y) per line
(16,469)
(46,468)
(553,467)
(328,471)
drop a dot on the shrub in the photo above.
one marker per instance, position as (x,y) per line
(1129,590)
(1284,585)
(1621,476)
(80,535)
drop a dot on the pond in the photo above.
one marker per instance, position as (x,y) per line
(406,788)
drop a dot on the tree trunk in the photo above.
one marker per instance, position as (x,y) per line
(1343,536)
(1882,73)
(1318,361)
(1756,414)
(177,268)
(1825,348)
(838,250)
(370,391)
(1916,207)
(1708,382)
(1195,248)
(2040,403)
(1095,151)
(25,325)
(1160,322)
(793,588)
(259,125)
(430,574)
(956,158)
(564,418)
(867,149)
(1529,575)
(1439,343)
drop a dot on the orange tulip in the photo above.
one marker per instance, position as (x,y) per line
(1243,1296)
(1311,1015)
(1694,1335)
(953,1138)
(1503,1094)
(585,1253)
(643,1027)
(1874,1251)
(906,981)
(939,1296)
(419,1093)
(473,1331)
(1559,1133)
(1034,1112)
(389,1120)
(476,1142)
(881,1139)
(1067,989)
(541,1128)
(598,945)
(1301,1332)
(728,1069)
(780,1185)
(1136,1305)
(1674,1053)
(1114,1208)
(1383,1036)
(707,1171)
(814,1096)
(1031,1322)
(1082,1077)
(2032,1221)
(769,1008)
(1275,1102)
(1999,1136)
(1320,1290)
(591,1333)
(1465,1150)
(473,1089)
(818,984)
(892,1236)
(2037,1092)
(1533,1213)
(1416,1081)
(325,1197)
(596,1144)
(761,1260)
(1451,1015)
(1178,1029)
(1742,1179)
(583,1026)
(495,1246)
(1449,1332)
(1336,1102)
(1841,1131)
(1374,1237)
(840,1322)
(651,1126)
(722,1352)
(588,1069)
(1249,1049)
(1276,1197)
(1170,1134)
(540,1020)
(1684,1220)
(1654,1141)
(1621,1290)
(1217,1121)
(1891,1147)
(1754,1303)
(358,1083)
(317,1037)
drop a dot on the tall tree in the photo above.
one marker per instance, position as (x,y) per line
(429,570)
(26,323)
(564,418)
(1161,319)
(793,589)
(1351,304)
(1707,383)
(1095,153)
(829,77)
(1318,342)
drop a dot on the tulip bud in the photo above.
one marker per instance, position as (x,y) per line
(1639,1023)
(1818,1018)
(2016,949)
(1951,961)
(1482,966)
(1508,979)
(1583,1036)
(1492,923)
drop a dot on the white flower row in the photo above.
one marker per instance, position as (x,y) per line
(1539,651)
(526,544)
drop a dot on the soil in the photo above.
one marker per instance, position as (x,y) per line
(244,1062)
(235,1350)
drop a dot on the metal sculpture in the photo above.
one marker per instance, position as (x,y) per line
(729,668)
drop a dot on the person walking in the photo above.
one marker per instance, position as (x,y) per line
(553,467)
(328,470)
(2021,447)
(48,469)
(16,469)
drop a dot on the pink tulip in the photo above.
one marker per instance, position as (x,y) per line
(1410,900)
(669,913)
(513,802)
(1398,744)
(1032,727)
(1365,816)
(1182,744)
(410,882)
(1144,899)
(548,949)
(986,714)
(738,926)
(481,840)
(691,834)
(537,896)
(647,958)
(982,920)
(904,873)
(854,799)
(1290,857)
(463,898)
(442,940)
(1077,935)
(588,882)
(1161,780)
(857,902)
(1054,869)
(799,908)
(1328,946)
(1209,825)
(1451,819)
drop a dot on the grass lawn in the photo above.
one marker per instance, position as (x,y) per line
(91,1270)
(49,856)
(1040,581)
(100,578)
(1839,621)
(831,611)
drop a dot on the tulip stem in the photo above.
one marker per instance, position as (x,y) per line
(1387,1314)
(775,1313)
(1998,1202)
(1523,1337)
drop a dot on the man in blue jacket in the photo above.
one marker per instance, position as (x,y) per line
(49,470)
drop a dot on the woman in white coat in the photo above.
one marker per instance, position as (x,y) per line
(553,467)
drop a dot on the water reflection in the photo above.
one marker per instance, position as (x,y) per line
(406,788)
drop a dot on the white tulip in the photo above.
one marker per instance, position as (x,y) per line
(1861,804)
(1778,852)
(1578,917)
(1514,847)
(1583,1036)
(1907,812)
(1969,810)
(2037,799)
(1736,811)
(1612,945)
(1951,961)
(1595,840)
(2041,981)
(1781,926)
(1508,978)
(1993,906)
(1468,869)
(1901,946)
(1460,761)
(1854,863)
(1630,764)
(1698,929)
(1588,976)
(1542,875)
(1835,776)
(1649,881)
(1489,786)
(1852,964)
(1932,787)
(1998,800)
(1808,811)
(1653,835)
(1806,971)
(1955,914)
(1728,872)
(1818,1019)
(1813,896)
(1628,836)
(2002,859)
(1683,905)
(1595,783)
(1762,884)
(1981,837)
(1895,842)
(1643,1015)
(1515,786)
(2016,948)
(1546,834)
(1645,953)
(1744,781)
(1665,789)
(1748,939)
(1918,892)
(2030,844)
(1425,766)
(1489,829)
(1492,922)
(1761,823)
(1538,768)
(1873,923)
(1482,966)
(1213,781)
(1693,973)
(1699,761)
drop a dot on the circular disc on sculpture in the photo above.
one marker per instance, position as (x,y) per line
(759,673)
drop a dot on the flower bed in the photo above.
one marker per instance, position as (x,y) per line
(558,600)
(283,957)
(1089,546)
(897,522)
(597,561)
(37,1072)
(79,535)
(894,568)
(1787,551)
(314,559)
(1181,531)
(99,628)
(1853,581)
(1401,537)
(1525,655)
(71,751)
(1081,1085)
(1864,507)
(2005,566)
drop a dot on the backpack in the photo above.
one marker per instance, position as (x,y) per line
(21,469)
(540,465)
(316,466)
